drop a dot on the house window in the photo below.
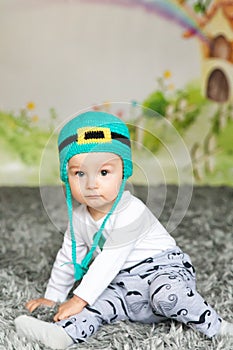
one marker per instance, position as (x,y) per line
(217,86)
(220,48)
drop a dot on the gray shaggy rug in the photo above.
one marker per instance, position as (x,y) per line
(29,242)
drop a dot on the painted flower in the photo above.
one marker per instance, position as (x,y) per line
(167,74)
(31,105)
(107,104)
(96,108)
(12,124)
(35,118)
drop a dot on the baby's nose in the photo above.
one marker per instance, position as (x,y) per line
(92,182)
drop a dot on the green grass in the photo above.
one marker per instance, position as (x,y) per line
(23,144)
(225,139)
(22,138)
(223,173)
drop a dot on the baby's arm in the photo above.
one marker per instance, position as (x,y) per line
(69,308)
(102,271)
(62,275)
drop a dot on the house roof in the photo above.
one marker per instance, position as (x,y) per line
(227,8)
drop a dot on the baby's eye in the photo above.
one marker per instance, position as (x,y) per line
(104,172)
(79,173)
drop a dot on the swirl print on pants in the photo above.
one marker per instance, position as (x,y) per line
(152,291)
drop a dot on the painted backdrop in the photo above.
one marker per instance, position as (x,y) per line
(165,67)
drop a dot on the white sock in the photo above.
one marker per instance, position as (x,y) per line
(226,329)
(50,334)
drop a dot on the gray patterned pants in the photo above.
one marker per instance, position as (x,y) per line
(150,292)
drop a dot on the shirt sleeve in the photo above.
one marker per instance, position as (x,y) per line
(62,274)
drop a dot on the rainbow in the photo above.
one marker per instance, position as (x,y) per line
(168,9)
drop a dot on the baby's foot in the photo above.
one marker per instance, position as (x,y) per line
(50,334)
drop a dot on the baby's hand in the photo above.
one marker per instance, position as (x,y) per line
(35,303)
(70,308)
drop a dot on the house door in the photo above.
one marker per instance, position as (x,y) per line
(217,86)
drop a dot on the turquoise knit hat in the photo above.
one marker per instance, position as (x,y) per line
(93,131)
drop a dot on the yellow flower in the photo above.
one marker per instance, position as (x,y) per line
(31,105)
(35,118)
(12,124)
(167,74)
(171,87)
(107,104)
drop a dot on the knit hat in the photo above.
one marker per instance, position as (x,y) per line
(93,131)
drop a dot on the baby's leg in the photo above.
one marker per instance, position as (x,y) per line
(173,295)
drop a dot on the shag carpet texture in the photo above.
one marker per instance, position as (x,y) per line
(29,243)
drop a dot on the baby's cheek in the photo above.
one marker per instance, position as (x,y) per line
(116,189)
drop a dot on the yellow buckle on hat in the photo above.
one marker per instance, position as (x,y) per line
(93,135)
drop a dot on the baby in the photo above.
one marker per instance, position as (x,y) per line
(128,265)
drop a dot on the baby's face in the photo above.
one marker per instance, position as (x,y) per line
(95,179)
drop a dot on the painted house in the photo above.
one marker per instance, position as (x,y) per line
(217,51)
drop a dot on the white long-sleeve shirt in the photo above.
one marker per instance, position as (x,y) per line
(132,234)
